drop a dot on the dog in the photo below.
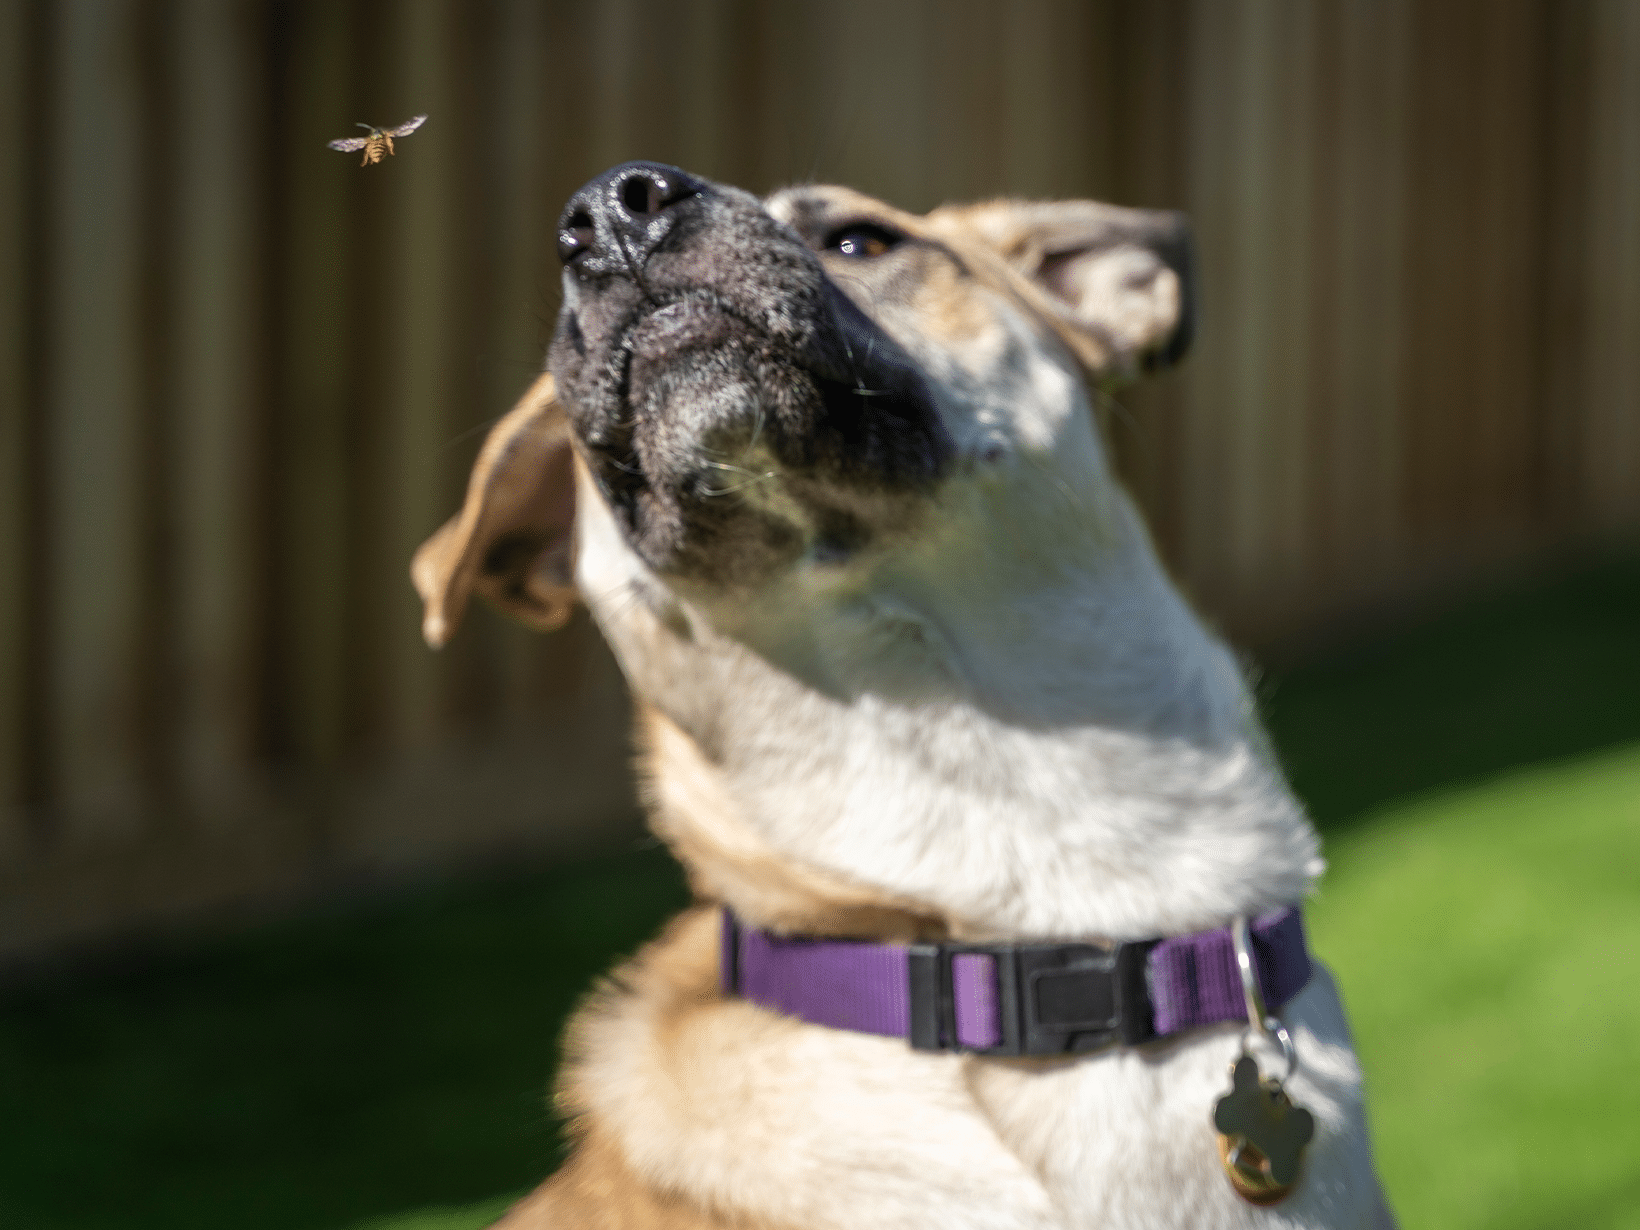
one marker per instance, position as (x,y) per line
(910,680)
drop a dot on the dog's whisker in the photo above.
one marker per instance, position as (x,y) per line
(473,431)
(730,465)
(752,479)
(757,432)
(1136,429)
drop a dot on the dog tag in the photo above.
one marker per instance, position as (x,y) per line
(1261,1134)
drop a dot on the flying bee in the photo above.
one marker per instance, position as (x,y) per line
(378,142)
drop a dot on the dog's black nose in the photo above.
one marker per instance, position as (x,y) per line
(625,212)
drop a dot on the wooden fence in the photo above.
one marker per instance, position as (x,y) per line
(240,377)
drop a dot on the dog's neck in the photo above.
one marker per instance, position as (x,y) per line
(1018,744)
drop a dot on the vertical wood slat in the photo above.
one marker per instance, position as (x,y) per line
(1250,156)
(607,111)
(1474,261)
(706,122)
(16,417)
(1057,119)
(213,363)
(510,137)
(1150,99)
(97,546)
(314,263)
(1566,331)
(968,106)
(1355,486)
(1501,423)
(415,366)
(1610,453)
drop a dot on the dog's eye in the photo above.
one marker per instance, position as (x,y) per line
(861,240)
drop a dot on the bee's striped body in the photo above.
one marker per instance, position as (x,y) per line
(378,143)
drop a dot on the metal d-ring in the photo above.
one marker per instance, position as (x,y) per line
(1259,1017)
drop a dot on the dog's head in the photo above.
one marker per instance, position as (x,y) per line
(804,384)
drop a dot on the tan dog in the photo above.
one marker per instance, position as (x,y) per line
(907,667)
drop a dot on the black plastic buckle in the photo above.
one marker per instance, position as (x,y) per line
(1052,999)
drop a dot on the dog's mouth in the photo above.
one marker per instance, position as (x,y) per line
(689,320)
(707,409)
(659,335)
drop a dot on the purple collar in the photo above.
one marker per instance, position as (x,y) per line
(1014,999)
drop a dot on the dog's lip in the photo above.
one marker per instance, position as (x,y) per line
(852,364)
(682,323)
(671,311)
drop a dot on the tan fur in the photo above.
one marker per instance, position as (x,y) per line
(597,1188)
(521,490)
(1013,246)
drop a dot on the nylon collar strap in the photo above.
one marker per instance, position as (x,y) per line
(1014,999)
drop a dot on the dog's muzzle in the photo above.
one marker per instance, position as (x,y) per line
(701,353)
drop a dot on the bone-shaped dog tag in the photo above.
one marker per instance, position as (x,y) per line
(1261,1134)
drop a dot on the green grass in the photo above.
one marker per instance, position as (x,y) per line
(1478,780)
(1487,941)
(322,1074)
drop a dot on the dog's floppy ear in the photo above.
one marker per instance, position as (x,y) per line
(1119,283)
(514,539)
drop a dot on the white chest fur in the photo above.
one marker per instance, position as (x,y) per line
(1074,759)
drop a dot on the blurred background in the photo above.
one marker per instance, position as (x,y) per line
(290,907)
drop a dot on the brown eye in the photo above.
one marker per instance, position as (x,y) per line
(861,241)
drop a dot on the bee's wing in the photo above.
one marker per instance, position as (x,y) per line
(349,144)
(409,126)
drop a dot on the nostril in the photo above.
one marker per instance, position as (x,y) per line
(642,195)
(575,236)
(646,193)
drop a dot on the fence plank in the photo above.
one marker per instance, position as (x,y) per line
(703,56)
(1056,112)
(1250,194)
(1611,415)
(16,420)
(1145,70)
(519,142)
(314,257)
(98,546)
(420,394)
(218,405)
(1356,478)
(1474,374)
